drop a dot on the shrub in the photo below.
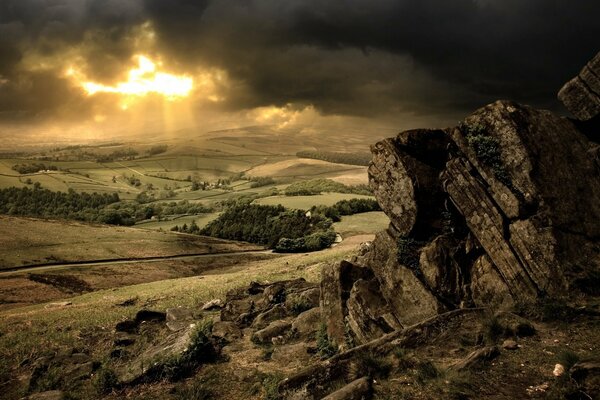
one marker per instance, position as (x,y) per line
(568,358)
(270,385)
(492,329)
(325,347)
(426,371)
(374,366)
(408,252)
(106,380)
(487,150)
(198,390)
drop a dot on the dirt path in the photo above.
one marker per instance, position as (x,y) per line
(52,266)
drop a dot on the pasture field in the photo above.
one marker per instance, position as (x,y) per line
(201,220)
(365,223)
(306,202)
(27,241)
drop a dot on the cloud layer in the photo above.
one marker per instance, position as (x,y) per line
(366,58)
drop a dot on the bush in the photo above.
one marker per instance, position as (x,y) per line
(325,347)
(426,371)
(492,329)
(198,390)
(106,380)
(408,252)
(374,366)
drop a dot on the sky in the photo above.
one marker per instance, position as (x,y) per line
(94,68)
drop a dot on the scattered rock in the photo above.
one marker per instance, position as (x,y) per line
(510,344)
(150,316)
(559,370)
(179,314)
(274,329)
(128,326)
(307,322)
(263,319)
(124,339)
(356,390)
(215,304)
(150,364)
(176,326)
(226,330)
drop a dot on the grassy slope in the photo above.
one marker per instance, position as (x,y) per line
(370,222)
(87,323)
(32,241)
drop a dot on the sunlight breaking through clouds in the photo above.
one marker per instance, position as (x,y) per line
(143,80)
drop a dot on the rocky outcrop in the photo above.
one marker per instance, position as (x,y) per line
(503,208)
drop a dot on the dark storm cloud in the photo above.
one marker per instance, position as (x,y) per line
(360,57)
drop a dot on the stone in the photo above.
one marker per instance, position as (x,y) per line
(510,344)
(129,326)
(226,330)
(179,314)
(337,280)
(488,289)
(150,316)
(274,329)
(176,326)
(581,95)
(559,370)
(305,299)
(404,177)
(307,323)
(369,315)
(441,269)
(409,299)
(124,339)
(477,358)
(358,389)
(48,395)
(487,224)
(212,305)
(263,319)
(148,365)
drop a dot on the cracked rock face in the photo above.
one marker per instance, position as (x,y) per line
(581,95)
(503,208)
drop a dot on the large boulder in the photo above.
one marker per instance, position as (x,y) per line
(502,208)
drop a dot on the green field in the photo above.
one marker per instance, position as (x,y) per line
(201,220)
(306,202)
(369,222)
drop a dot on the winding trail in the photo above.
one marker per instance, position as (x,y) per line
(109,261)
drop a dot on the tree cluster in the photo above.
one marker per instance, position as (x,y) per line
(38,202)
(318,186)
(32,168)
(266,225)
(346,207)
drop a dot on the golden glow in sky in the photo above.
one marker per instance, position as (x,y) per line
(143,80)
